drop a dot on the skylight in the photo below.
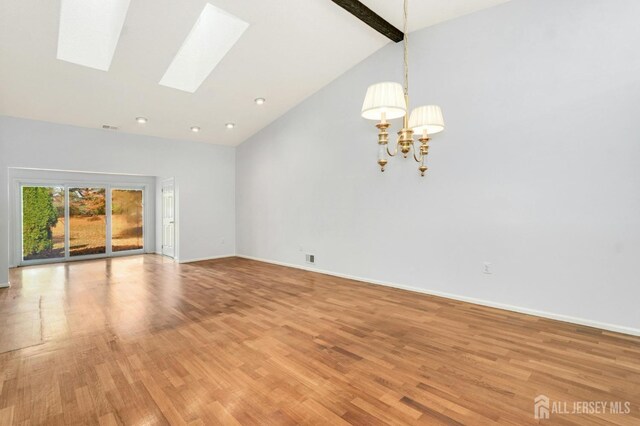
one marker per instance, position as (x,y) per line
(213,35)
(89,31)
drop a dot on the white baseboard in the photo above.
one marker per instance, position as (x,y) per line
(5,285)
(206,258)
(534,312)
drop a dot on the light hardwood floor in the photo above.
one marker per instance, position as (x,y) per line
(143,341)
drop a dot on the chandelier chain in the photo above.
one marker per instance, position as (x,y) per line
(406,48)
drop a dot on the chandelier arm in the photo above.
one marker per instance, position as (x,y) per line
(415,157)
(393,154)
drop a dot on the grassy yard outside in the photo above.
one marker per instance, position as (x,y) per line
(88,236)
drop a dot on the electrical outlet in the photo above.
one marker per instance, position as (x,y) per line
(311,258)
(487,268)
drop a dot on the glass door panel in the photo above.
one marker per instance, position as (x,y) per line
(127,219)
(42,222)
(87,221)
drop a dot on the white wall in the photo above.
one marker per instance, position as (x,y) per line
(538,170)
(204,175)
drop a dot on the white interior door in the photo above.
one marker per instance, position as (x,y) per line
(168,219)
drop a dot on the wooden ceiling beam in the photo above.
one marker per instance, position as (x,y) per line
(371,18)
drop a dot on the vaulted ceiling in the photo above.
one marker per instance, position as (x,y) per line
(290,50)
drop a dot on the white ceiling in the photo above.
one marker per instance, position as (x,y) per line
(424,13)
(291,49)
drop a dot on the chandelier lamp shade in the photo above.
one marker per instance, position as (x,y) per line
(426,118)
(384,101)
(390,100)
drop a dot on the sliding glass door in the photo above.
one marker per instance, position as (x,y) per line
(64,222)
(127,219)
(43,229)
(87,221)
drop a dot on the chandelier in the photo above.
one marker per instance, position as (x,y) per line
(390,100)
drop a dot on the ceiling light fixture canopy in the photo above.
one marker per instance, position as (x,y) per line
(388,101)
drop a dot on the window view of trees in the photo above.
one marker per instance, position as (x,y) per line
(126,219)
(87,221)
(42,222)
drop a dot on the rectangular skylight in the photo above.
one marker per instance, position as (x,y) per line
(89,31)
(213,35)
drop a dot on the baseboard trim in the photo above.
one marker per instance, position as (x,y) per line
(201,259)
(159,253)
(5,285)
(542,314)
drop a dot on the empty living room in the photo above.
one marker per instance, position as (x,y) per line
(324,212)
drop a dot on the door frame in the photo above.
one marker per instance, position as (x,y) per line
(66,184)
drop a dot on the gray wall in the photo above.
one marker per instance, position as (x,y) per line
(204,174)
(537,172)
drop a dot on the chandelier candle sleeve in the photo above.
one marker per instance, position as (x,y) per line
(383,140)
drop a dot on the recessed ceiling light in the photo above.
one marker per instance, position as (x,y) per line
(195,129)
(230,125)
(141,120)
(213,35)
(89,31)
(260,101)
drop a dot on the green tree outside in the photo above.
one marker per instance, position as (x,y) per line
(39,217)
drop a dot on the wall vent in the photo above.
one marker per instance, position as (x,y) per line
(107,127)
(311,258)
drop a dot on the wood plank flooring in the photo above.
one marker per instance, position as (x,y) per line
(144,341)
